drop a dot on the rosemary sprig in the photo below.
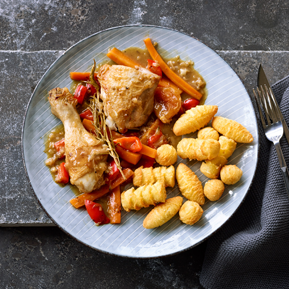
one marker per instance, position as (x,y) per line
(96,107)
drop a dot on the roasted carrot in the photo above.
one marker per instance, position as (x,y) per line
(128,156)
(120,58)
(81,76)
(182,84)
(114,206)
(88,124)
(147,151)
(79,201)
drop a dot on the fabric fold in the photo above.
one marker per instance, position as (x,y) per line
(251,250)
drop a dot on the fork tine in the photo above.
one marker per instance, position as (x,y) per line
(261,98)
(260,110)
(272,113)
(275,104)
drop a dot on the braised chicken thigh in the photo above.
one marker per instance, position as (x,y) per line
(128,95)
(85,155)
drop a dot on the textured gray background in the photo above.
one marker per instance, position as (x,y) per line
(32,35)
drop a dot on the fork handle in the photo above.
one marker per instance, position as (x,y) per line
(283,166)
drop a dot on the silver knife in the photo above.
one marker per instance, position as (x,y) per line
(262,80)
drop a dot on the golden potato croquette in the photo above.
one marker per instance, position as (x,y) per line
(162,213)
(198,149)
(190,212)
(214,189)
(228,146)
(230,174)
(189,184)
(145,176)
(211,169)
(194,119)
(166,155)
(135,199)
(208,133)
(232,129)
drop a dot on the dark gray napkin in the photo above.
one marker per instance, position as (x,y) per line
(252,249)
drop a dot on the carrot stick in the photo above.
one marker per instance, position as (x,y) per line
(81,76)
(169,73)
(128,156)
(88,124)
(147,151)
(120,58)
(79,201)
(114,206)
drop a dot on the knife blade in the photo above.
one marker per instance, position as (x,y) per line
(262,80)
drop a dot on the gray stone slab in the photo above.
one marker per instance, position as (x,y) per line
(47,258)
(20,73)
(225,25)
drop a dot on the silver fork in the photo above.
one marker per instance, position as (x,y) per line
(274,128)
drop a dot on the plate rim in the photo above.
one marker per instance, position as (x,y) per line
(63,229)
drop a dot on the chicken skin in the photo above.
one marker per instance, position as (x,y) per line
(85,155)
(128,95)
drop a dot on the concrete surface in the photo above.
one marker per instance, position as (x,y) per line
(32,35)
(47,258)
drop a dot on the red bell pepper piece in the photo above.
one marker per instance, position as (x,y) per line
(154,67)
(113,171)
(59,145)
(132,144)
(62,176)
(146,162)
(96,212)
(154,138)
(87,114)
(190,103)
(131,133)
(90,89)
(80,93)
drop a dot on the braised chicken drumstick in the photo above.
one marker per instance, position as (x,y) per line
(85,155)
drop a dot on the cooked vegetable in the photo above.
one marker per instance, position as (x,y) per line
(90,89)
(62,176)
(146,162)
(189,103)
(154,138)
(59,145)
(87,114)
(96,212)
(182,84)
(81,76)
(114,206)
(151,130)
(164,82)
(128,156)
(167,103)
(88,124)
(120,58)
(79,201)
(80,93)
(147,151)
(154,67)
(132,143)
(113,171)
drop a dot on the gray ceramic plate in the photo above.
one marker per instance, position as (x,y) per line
(130,238)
